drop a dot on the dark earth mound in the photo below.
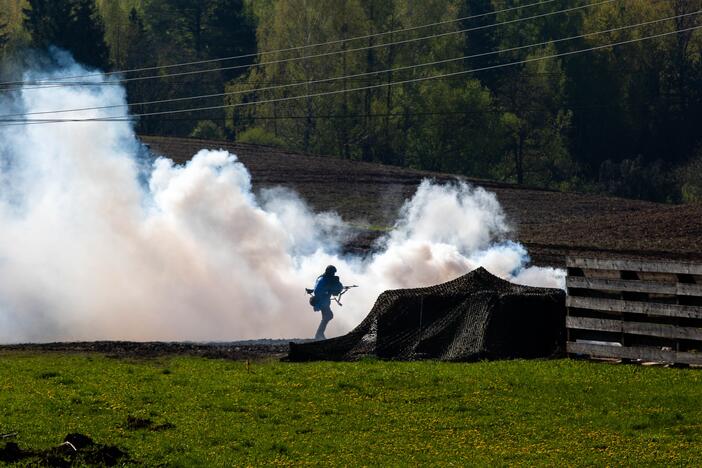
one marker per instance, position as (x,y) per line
(76,450)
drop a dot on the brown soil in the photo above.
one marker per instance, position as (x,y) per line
(240,350)
(551,224)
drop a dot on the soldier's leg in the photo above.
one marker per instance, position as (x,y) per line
(326,317)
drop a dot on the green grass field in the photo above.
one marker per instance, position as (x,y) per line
(193,411)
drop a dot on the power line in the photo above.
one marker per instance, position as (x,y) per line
(332,79)
(291,49)
(394,83)
(293,81)
(307,83)
(415,80)
(496,110)
(338,52)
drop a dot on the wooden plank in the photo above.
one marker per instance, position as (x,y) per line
(633,265)
(685,289)
(662,330)
(602,274)
(635,307)
(634,352)
(635,328)
(586,323)
(666,278)
(677,289)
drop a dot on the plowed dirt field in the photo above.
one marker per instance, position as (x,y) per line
(551,224)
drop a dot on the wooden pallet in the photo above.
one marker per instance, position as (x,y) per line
(634,311)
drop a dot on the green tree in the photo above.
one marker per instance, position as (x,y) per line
(381,17)
(73,25)
(690,180)
(48,22)
(139,52)
(115,17)
(455,129)
(637,102)
(536,121)
(258,136)
(11,14)
(400,100)
(480,41)
(306,22)
(207,130)
(370,124)
(230,31)
(202,28)
(4,37)
(88,35)
(679,106)
(629,110)
(193,30)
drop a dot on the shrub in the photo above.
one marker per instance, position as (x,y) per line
(636,178)
(207,130)
(690,179)
(259,136)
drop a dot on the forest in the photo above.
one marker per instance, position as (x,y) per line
(574,95)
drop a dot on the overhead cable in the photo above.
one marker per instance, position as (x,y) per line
(337,52)
(381,85)
(296,48)
(359,115)
(345,77)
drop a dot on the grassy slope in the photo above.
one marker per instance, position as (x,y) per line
(524,412)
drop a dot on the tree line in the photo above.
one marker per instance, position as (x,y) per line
(621,120)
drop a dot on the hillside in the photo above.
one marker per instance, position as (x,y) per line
(551,224)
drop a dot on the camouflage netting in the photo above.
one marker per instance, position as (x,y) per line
(476,316)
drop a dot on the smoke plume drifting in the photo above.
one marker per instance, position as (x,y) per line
(94,244)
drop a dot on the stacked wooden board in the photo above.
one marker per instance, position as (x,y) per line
(634,310)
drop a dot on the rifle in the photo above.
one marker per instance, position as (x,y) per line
(336,298)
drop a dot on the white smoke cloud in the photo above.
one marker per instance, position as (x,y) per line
(90,252)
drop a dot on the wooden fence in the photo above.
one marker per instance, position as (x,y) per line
(634,311)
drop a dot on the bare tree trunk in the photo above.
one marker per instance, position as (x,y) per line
(366,150)
(683,39)
(275,119)
(388,96)
(308,124)
(307,134)
(519,157)
(344,127)
(197,32)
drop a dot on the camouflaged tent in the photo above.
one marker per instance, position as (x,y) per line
(476,316)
